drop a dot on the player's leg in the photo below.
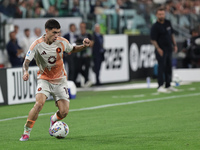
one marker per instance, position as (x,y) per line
(61,97)
(33,115)
(63,106)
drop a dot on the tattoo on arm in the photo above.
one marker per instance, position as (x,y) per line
(26,65)
(155,44)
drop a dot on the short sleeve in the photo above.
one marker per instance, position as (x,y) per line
(31,52)
(68,47)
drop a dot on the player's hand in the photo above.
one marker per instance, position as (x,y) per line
(160,51)
(175,48)
(86,42)
(26,76)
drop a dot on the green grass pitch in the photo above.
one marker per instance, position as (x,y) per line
(136,119)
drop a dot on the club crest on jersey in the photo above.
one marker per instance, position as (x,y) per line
(39,89)
(52,59)
(58,50)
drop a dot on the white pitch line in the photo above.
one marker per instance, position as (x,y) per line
(110,105)
(192,89)
(180,90)
(141,95)
(128,96)
(155,93)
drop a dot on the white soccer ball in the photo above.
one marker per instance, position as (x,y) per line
(60,129)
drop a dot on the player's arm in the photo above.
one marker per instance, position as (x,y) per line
(174,43)
(25,69)
(78,48)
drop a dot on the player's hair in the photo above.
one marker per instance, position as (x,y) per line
(52,23)
(160,9)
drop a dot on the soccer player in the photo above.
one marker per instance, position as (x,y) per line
(52,78)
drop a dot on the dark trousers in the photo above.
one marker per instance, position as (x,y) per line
(70,60)
(97,67)
(164,69)
(82,66)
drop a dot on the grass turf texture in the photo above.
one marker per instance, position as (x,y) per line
(171,124)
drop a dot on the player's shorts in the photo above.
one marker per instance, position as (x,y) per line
(58,91)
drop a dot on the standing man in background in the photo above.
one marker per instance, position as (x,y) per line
(14,51)
(84,57)
(162,37)
(26,41)
(97,52)
(70,57)
(37,32)
(187,48)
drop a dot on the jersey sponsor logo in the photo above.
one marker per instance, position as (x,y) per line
(28,53)
(52,59)
(58,50)
(39,89)
(43,53)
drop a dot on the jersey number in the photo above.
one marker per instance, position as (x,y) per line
(66,90)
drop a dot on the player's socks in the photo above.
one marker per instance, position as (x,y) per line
(27,130)
(55,117)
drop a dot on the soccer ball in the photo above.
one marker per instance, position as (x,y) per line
(60,129)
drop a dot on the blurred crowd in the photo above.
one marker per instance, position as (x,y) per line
(59,8)
(190,51)
(172,6)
